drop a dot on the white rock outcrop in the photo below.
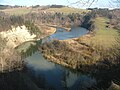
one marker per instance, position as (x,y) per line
(17,35)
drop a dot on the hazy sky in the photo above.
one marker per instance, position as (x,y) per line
(99,3)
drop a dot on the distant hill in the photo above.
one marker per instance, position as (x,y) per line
(21,10)
(49,6)
(4,6)
(57,6)
(65,9)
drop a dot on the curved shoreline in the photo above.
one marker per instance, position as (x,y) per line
(87,55)
(58,61)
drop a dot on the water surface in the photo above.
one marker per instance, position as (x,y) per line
(56,76)
(62,34)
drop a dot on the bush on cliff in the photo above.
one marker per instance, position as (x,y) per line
(9,58)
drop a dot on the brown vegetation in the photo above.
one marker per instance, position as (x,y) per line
(67,52)
(9,58)
(78,55)
(52,18)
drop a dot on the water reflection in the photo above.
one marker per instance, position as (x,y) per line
(55,76)
(36,61)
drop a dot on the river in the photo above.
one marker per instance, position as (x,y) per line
(56,76)
(41,73)
(62,34)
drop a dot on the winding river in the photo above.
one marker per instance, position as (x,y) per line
(62,34)
(51,76)
(56,76)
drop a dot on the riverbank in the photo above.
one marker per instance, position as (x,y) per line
(55,26)
(69,53)
(87,51)
(46,30)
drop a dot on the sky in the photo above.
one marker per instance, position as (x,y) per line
(81,4)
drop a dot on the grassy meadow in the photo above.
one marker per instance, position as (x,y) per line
(68,10)
(25,10)
(17,11)
(105,35)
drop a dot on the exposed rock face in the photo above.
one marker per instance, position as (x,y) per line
(17,35)
(9,58)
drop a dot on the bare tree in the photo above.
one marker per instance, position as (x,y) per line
(82,2)
(112,3)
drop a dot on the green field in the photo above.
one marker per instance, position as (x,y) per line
(68,10)
(17,11)
(25,10)
(104,36)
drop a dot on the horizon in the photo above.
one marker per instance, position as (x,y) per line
(70,3)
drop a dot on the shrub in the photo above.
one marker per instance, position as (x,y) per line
(9,58)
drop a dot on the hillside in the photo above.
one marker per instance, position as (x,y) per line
(3,7)
(17,11)
(105,34)
(68,10)
(25,10)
